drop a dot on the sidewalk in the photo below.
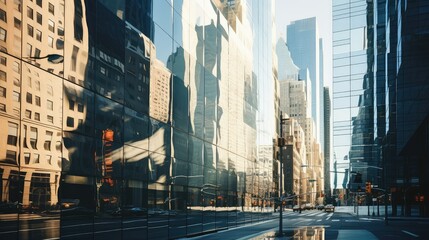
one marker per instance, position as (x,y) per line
(363,212)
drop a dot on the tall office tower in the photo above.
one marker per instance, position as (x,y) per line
(112,109)
(304,45)
(405,144)
(327,140)
(380,72)
(353,90)
(322,96)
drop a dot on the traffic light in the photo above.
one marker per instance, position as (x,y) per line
(368,187)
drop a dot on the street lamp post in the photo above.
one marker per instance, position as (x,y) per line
(281,144)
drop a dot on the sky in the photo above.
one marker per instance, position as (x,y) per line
(291,10)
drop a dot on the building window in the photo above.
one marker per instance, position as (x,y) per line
(51,8)
(37,116)
(29,49)
(37,85)
(30,30)
(3,60)
(17,23)
(2,75)
(48,141)
(36,158)
(70,122)
(28,114)
(11,156)
(51,25)
(49,159)
(71,105)
(15,67)
(39,18)
(3,34)
(38,35)
(50,41)
(12,137)
(49,90)
(29,12)
(2,107)
(49,105)
(37,52)
(15,96)
(29,98)
(27,158)
(3,15)
(37,100)
(80,107)
(39,3)
(33,137)
(2,92)
(50,119)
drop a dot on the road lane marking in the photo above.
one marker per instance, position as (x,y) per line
(329,216)
(319,220)
(335,220)
(411,234)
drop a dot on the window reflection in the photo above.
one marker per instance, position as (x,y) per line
(140,120)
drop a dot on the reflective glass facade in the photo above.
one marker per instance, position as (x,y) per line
(353,86)
(380,99)
(128,119)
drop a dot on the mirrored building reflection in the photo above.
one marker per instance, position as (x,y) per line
(129,119)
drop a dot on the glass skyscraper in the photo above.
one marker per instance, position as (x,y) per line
(130,119)
(380,102)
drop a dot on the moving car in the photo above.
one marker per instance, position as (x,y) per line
(329,208)
(320,207)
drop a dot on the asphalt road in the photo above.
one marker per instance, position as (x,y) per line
(316,224)
(223,225)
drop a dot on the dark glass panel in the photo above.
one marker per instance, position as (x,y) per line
(137,70)
(136,129)
(195,217)
(180,104)
(180,145)
(160,137)
(78,190)
(134,209)
(159,167)
(109,52)
(158,221)
(195,150)
(138,13)
(136,164)
(83,112)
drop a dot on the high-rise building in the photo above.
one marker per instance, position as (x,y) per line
(327,145)
(380,106)
(112,110)
(304,45)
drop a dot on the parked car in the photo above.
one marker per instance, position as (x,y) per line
(296,208)
(130,211)
(308,206)
(320,207)
(329,208)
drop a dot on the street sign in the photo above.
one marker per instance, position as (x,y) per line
(374,199)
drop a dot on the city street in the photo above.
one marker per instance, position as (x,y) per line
(315,224)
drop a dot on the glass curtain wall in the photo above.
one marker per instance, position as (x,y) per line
(127,119)
(353,92)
